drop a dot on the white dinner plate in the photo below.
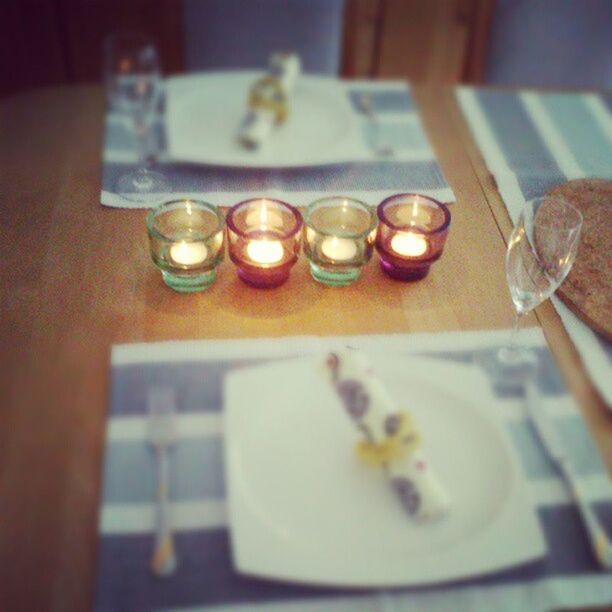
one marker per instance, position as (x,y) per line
(204,114)
(304,508)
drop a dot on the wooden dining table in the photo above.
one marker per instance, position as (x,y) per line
(76,278)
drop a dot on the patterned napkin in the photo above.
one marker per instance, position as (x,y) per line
(532,142)
(269,102)
(413,168)
(392,440)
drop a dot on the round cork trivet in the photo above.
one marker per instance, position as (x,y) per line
(587,290)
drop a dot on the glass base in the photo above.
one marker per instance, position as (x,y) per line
(334,278)
(189,283)
(266,279)
(140,185)
(509,367)
(404,274)
(514,356)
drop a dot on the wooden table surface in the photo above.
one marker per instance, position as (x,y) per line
(76,278)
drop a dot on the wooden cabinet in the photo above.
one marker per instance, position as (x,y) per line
(442,41)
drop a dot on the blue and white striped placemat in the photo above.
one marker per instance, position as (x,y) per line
(568,576)
(532,142)
(414,168)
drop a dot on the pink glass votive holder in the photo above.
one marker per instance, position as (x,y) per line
(411,234)
(264,240)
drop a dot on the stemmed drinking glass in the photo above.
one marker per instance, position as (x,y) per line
(134,86)
(541,251)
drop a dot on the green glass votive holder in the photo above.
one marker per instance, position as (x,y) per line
(186,238)
(339,238)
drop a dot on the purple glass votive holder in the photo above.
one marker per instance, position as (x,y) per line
(264,240)
(411,234)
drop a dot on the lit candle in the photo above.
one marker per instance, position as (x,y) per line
(408,244)
(264,217)
(188,253)
(418,213)
(339,249)
(265,251)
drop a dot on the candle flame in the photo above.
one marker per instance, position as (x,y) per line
(414,212)
(263,215)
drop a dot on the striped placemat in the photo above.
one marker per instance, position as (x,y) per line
(567,576)
(413,167)
(532,142)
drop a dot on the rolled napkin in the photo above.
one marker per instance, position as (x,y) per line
(269,99)
(391,438)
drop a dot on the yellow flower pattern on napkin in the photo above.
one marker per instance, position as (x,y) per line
(397,445)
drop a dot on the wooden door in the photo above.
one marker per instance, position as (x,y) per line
(421,40)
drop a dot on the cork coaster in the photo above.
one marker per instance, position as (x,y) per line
(587,290)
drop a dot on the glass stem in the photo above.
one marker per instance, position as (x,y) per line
(142,137)
(513,342)
(142,179)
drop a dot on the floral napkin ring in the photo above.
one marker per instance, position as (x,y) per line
(391,440)
(268,94)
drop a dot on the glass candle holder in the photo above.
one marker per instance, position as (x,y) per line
(264,240)
(186,239)
(411,233)
(338,239)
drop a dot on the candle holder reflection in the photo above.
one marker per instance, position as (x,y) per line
(264,240)
(186,238)
(338,239)
(411,234)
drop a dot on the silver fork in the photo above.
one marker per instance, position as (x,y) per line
(162,435)
(367,108)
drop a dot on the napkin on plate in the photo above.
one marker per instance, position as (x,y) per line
(391,439)
(269,99)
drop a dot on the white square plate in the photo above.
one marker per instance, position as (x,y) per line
(204,114)
(304,508)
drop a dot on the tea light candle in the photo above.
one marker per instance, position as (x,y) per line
(409,244)
(264,240)
(339,249)
(265,252)
(186,240)
(339,239)
(188,253)
(411,234)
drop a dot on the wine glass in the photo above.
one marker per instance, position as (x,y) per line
(134,87)
(541,251)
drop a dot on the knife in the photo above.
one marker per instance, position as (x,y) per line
(546,432)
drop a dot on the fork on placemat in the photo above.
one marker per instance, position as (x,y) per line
(162,436)
(366,106)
